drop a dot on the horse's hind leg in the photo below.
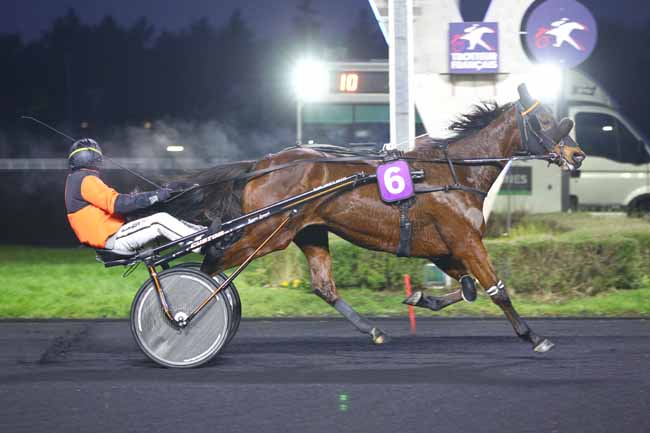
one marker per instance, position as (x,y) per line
(475,257)
(456,271)
(435,303)
(314,244)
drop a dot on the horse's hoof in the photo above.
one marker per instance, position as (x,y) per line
(413,299)
(468,289)
(378,336)
(543,346)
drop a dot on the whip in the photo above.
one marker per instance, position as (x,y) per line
(51,128)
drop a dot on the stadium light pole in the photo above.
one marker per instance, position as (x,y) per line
(309,79)
(298,121)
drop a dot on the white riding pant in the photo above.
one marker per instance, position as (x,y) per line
(133,236)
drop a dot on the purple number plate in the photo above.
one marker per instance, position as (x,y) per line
(394,179)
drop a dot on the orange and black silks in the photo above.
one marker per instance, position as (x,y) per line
(90,205)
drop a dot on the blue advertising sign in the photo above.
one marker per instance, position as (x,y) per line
(562,32)
(473,48)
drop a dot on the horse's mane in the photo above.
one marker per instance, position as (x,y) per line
(470,123)
(464,126)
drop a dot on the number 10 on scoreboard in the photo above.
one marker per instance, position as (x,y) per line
(348,82)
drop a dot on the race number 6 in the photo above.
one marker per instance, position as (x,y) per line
(394,181)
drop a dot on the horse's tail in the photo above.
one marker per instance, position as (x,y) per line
(212,194)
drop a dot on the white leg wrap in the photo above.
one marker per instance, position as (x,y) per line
(494,290)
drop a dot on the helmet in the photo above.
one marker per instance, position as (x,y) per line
(85,153)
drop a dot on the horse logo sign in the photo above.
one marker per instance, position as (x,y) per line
(473,48)
(561,32)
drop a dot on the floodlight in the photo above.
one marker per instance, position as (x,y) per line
(310,79)
(545,82)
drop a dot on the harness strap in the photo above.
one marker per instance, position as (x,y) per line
(523,130)
(405,229)
(261,172)
(451,166)
(420,189)
(530,109)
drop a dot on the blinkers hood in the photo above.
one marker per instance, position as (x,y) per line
(564,128)
(533,139)
(524,96)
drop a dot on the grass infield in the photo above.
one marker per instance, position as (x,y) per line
(69,283)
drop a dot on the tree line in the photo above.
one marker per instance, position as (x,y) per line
(108,75)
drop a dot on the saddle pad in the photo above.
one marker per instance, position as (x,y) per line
(394,180)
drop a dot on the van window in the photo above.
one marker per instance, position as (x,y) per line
(603,135)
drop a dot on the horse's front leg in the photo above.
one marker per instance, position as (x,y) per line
(472,253)
(314,244)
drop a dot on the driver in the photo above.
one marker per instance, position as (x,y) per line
(96,211)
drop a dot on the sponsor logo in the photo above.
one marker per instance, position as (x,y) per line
(473,48)
(518,181)
(561,32)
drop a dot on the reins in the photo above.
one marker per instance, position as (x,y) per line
(365,159)
(345,155)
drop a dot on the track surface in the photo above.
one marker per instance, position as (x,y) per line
(456,375)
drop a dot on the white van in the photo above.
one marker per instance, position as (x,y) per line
(615,174)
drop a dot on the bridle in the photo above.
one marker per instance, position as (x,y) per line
(534,141)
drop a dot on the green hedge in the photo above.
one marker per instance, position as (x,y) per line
(353,267)
(552,266)
(541,265)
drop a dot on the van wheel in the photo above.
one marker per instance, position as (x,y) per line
(640,208)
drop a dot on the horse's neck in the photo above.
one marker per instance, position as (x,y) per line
(497,140)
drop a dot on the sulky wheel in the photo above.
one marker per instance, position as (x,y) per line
(185,289)
(234,302)
(231,293)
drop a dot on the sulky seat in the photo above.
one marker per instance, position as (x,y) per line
(111,258)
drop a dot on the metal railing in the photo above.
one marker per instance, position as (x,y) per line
(132,163)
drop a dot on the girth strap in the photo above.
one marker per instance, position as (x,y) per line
(405,228)
(454,176)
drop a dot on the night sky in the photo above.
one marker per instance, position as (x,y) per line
(31,17)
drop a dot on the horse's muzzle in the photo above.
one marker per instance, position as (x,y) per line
(577,158)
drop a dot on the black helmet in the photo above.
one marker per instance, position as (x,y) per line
(85,153)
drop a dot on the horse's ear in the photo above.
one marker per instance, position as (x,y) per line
(524,96)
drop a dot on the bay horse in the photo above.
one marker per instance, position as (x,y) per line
(447,227)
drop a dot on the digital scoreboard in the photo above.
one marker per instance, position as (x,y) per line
(357,82)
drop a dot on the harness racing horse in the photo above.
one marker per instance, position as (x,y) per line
(447,226)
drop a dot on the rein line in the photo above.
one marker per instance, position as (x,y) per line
(365,159)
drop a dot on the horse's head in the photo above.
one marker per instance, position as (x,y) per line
(541,134)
